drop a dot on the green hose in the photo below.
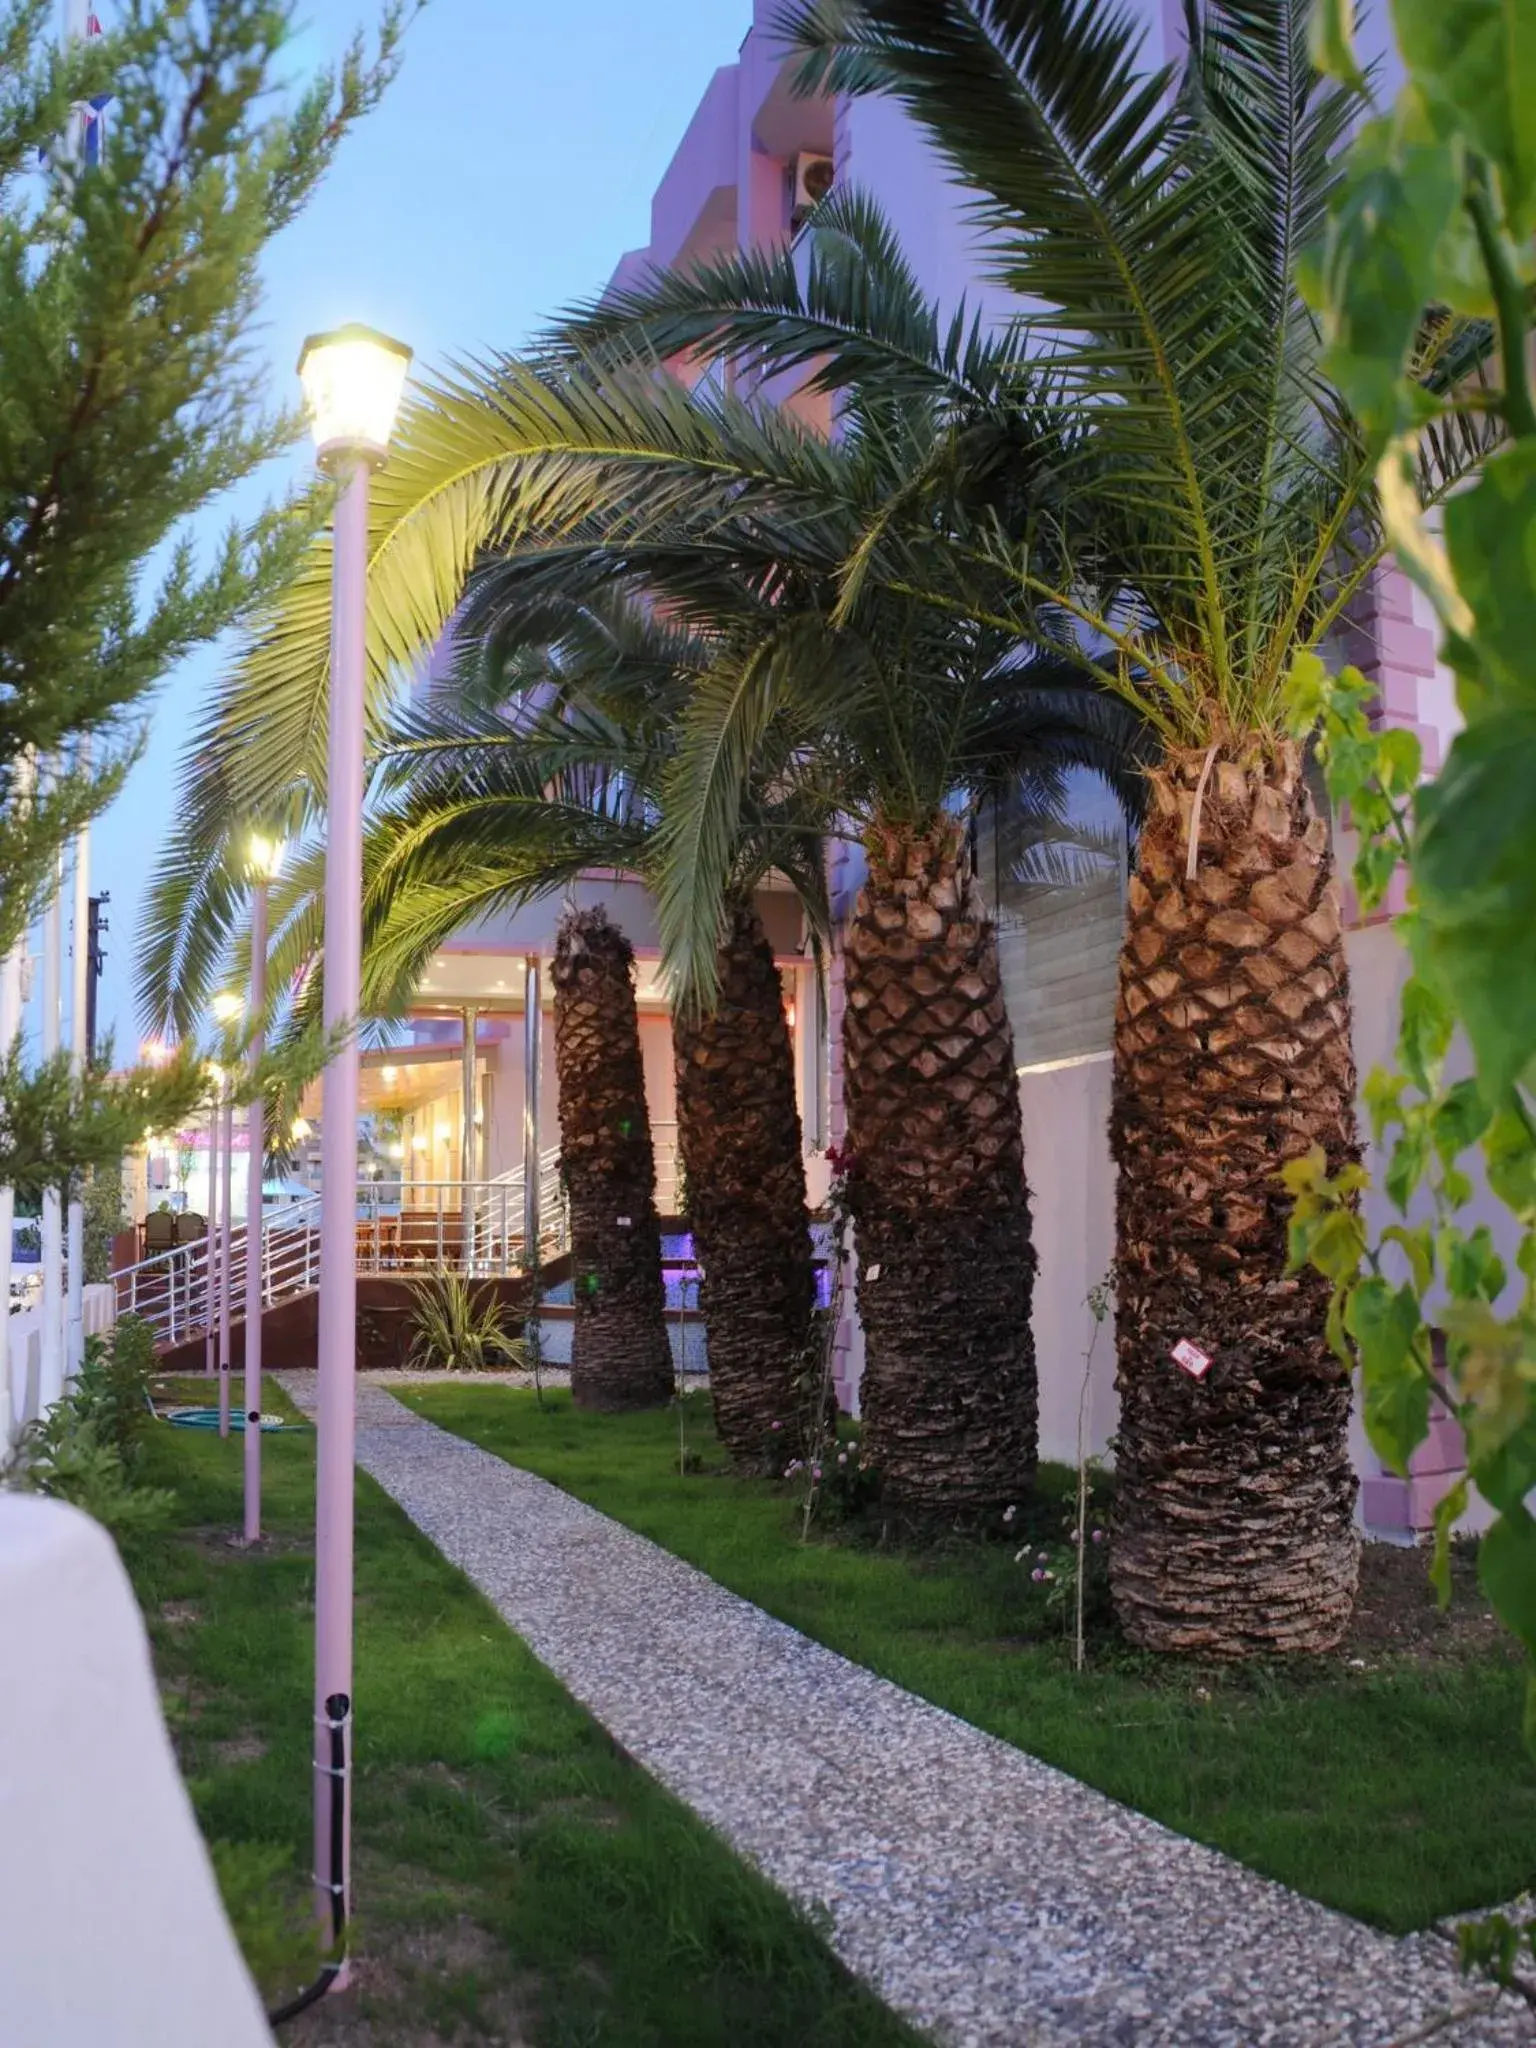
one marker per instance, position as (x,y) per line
(208,1418)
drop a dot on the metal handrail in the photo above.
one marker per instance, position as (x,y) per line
(470,1227)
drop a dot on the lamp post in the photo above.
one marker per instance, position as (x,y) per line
(80,1053)
(227,1007)
(211,1232)
(352,382)
(51,1360)
(266,857)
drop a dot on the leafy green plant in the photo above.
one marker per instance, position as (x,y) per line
(104,1217)
(86,1449)
(457,1327)
(1438,210)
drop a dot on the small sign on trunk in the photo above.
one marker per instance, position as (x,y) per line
(1188,1356)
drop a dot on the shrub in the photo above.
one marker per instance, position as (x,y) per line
(456,1329)
(85,1449)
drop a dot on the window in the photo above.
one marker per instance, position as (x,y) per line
(1056,890)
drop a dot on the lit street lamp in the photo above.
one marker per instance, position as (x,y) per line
(352,382)
(265,859)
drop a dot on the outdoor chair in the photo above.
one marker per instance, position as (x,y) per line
(159,1232)
(190,1227)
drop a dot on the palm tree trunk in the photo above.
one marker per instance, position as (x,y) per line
(620,1357)
(937,1186)
(1234,1529)
(739,1133)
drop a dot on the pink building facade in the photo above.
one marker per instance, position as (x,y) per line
(733,184)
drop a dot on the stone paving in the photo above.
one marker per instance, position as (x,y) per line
(992,1899)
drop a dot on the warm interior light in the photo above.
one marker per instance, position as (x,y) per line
(265,856)
(300,1127)
(387,1075)
(789,1015)
(227,1006)
(397,1151)
(419,1142)
(352,379)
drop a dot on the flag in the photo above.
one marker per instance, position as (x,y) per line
(93,112)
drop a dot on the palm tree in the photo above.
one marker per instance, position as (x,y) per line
(491,806)
(1215,513)
(537,760)
(912,708)
(620,1357)
(738,1129)
(903,708)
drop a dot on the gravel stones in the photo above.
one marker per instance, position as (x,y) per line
(992,1899)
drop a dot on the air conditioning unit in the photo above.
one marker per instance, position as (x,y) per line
(813,180)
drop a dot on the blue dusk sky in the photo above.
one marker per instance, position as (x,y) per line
(508,169)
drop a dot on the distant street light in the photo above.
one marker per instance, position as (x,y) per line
(352,379)
(264,860)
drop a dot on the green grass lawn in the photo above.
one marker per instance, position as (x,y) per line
(517,1878)
(1389,1780)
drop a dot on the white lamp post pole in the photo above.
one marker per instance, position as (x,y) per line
(211,1233)
(51,1365)
(352,382)
(80,967)
(265,857)
(11,977)
(227,1007)
(226,1251)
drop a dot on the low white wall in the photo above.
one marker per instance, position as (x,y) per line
(112,1934)
(99,1309)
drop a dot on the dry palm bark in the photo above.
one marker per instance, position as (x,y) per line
(937,1183)
(739,1133)
(1234,1529)
(620,1357)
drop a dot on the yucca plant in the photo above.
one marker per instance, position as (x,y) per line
(459,1325)
(1215,513)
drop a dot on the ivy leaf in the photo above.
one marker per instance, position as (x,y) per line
(1400,760)
(1424,1032)
(1505,1476)
(1399,194)
(1405,1168)
(1509,1159)
(1416,1245)
(1506,1568)
(1490,540)
(1473,1269)
(1460,1118)
(1475,869)
(1384,1321)
(1475,63)
(1331,35)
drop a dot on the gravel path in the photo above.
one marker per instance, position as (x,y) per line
(994,1900)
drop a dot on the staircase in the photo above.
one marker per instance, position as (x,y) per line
(474,1228)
